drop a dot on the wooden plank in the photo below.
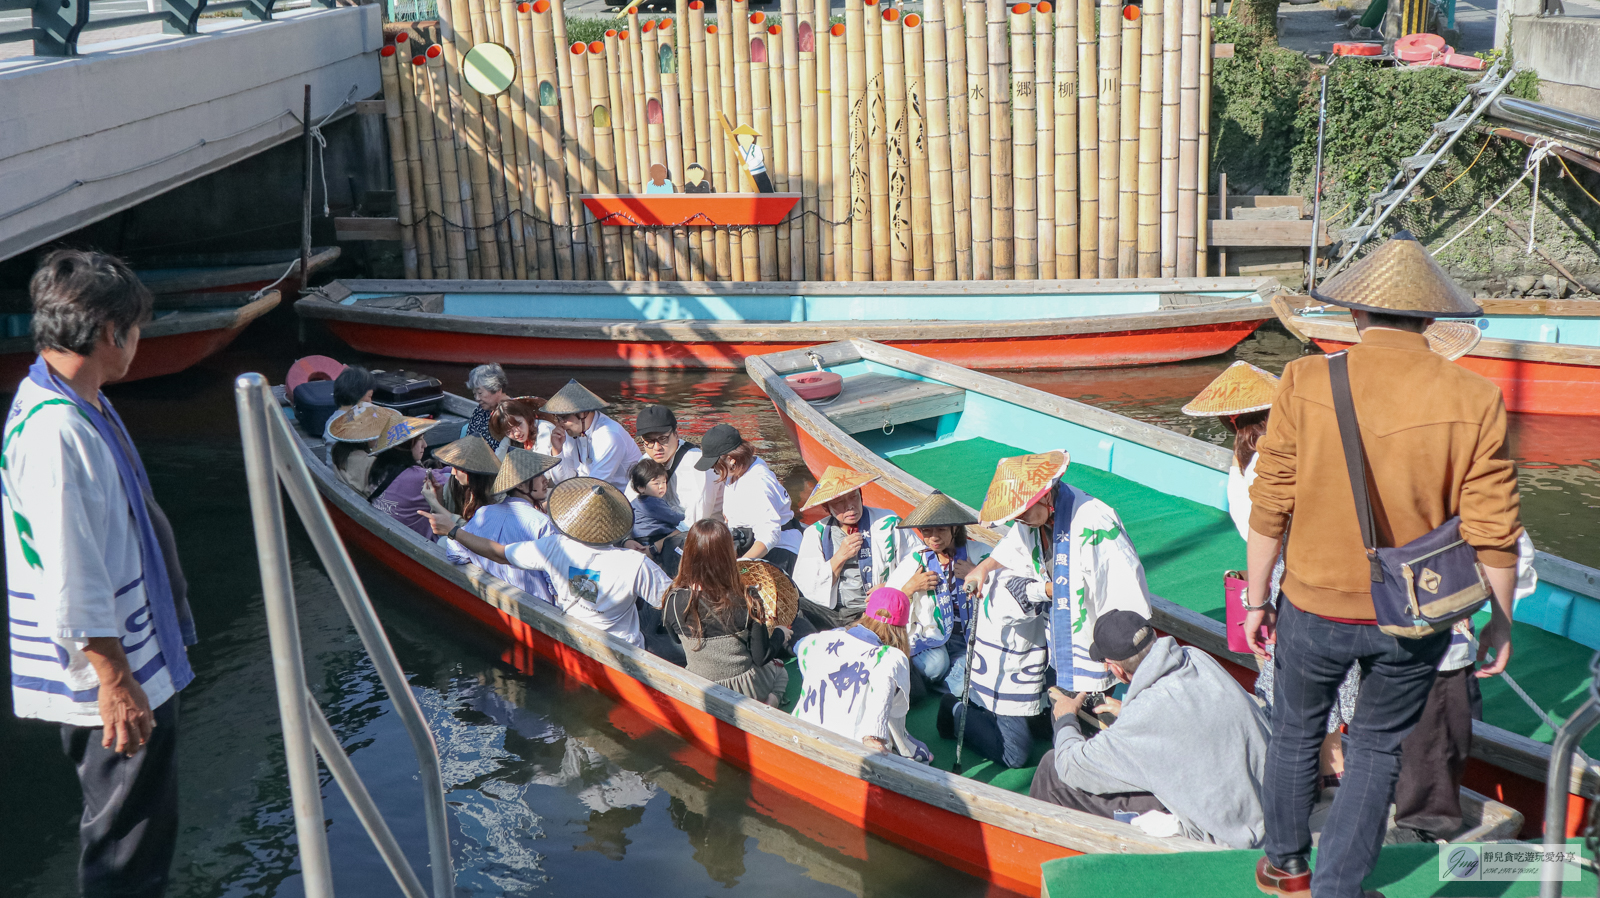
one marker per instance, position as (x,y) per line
(366,229)
(369,107)
(1260,202)
(1226,232)
(1555,308)
(1566,574)
(872,401)
(1342,331)
(1088,286)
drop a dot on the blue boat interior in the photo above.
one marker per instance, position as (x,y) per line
(1532,328)
(18,324)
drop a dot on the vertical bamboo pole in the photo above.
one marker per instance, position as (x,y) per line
(955,48)
(513,153)
(761,111)
(878,146)
(703,246)
(389,60)
(583,112)
(1202,245)
(749,238)
(1171,67)
(843,210)
(1024,148)
(916,137)
(936,84)
(1001,193)
(655,120)
(479,135)
(1149,235)
(672,107)
(978,167)
(1110,120)
(1188,136)
(533,178)
(410,68)
(490,174)
(1128,168)
(428,153)
(605,158)
(633,66)
(794,165)
(455,27)
(1044,145)
(551,138)
(616,109)
(449,178)
(855,15)
(1088,142)
(637,152)
(894,93)
(720,80)
(573,151)
(778,157)
(1065,103)
(816,141)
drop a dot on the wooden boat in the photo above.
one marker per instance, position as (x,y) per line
(973,826)
(1014,325)
(690,209)
(229,272)
(923,424)
(1544,355)
(173,341)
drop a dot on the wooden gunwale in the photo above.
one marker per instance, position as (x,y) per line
(236,270)
(1500,748)
(1489,347)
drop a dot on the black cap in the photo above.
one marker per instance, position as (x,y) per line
(654,419)
(1119,635)
(717,442)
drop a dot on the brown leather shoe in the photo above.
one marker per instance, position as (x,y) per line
(1272,881)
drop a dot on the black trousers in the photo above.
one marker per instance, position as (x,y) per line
(1434,757)
(130,809)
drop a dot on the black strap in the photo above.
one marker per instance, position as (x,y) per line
(1355,458)
(393,476)
(677,457)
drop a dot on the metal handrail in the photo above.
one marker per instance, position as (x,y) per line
(271,459)
(1557,776)
(58,25)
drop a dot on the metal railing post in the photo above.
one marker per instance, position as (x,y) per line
(56,26)
(1559,774)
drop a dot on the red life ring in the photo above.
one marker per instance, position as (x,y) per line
(1357,48)
(814,385)
(312,367)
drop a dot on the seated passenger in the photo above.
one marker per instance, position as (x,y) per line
(474,467)
(488,386)
(846,554)
(1188,740)
(350,450)
(351,388)
(653,519)
(596,445)
(516,518)
(941,609)
(720,623)
(594,581)
(754,502)
(855,688)
(696,493)
(397,472)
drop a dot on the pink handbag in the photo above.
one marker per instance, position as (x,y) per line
(1235,588)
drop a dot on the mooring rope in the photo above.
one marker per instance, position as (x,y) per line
(1542,148)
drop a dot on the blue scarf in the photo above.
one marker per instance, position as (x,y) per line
(1065,614)
(173,631)
(949,595)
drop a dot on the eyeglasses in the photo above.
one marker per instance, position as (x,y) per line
(655,439)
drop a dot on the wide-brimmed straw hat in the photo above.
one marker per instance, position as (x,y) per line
(1399,278)
(361,423)
(1020,481)
(519,467)
(470,454)
(401,431)
(1453,339)
(938,510)
(835,482)
(1241,389)
(591,511)
(780,598)
(574,399)
(746,129)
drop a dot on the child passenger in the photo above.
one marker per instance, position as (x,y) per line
(654,519)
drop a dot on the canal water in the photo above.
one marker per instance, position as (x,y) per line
(553,790)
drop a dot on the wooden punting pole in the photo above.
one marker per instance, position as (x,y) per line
(1024,137)
(877,145)
(1002,229)
(394,118)
(941,206)
(455,239)
(839,81)
(1188,135)
(978,168)
(551,143)
(1171,67)
(895,133)
(1149,235)
(1110,119)
(618,109)
(1128,147)
(761,112)
(955,47)
(793,166)
(1065,91)
(533,176)
(1088,142)
(410,67)
(778,156)
(1203,151)
(860,190)
(672,101)
(1044,145)
(703,249)
(818,253)
(913,32)
(488,172)
(605,158)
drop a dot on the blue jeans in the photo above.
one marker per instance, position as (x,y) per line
(932,663)
(1396,677)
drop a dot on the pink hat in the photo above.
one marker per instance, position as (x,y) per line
(889,605)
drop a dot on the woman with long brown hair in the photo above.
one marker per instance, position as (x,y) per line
(521,422)
(722,627)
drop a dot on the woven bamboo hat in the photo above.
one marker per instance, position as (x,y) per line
(520,467)
(574,399)
(362,423)
(836,482)
(470,454)
(938,510)
(401,430)
(780,598)
(1399,278)
(1452,339)
(746,129)
(1241,389)
(591,511)
(1019,482)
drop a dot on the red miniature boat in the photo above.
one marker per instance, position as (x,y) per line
(690,209)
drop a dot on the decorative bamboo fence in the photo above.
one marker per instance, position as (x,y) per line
(978,140)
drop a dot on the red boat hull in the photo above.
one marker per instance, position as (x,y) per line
(1143,347)
(157,356)
(1006,858)
(1539,388)
(690,209)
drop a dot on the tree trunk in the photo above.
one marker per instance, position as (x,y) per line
(1262,14)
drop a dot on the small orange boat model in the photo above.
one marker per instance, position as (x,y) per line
(690,209)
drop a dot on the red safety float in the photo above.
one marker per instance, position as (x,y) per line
(312,367)
(814,385)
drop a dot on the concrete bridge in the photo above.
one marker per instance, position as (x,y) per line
(92,130)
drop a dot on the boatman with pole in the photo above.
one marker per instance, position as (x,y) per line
(99,611)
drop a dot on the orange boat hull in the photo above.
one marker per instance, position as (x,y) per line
(157,356)
(690,209)
(1539,388)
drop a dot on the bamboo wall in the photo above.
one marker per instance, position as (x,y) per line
(976,141)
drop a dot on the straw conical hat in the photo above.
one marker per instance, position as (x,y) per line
(1452,339)
(362,423)
(1240,389)
(836,482)
(1399,278)
(520,467)
(470,454)
(591,511)
(1019,482)
(746,129)
(938,510)
(780,598)
(574,399)
(400,431)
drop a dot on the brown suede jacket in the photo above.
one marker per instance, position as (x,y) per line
(1435,439)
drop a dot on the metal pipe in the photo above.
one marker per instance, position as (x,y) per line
(272,552)
(1557,776)
(1316,188)
(1567,153)
(305,199)
(1528,114)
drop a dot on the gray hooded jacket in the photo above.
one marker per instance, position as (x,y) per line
(1188,734)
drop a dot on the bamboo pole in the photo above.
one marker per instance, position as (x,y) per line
(1203,152)
(513,153)
(605,158)
(672,109)
(1149,233)
(638,144)
(1001,162)
(574,149)
(749,238)
(1128,155)
(1024,143)
(410,67)
(860,189)
(703,249)
(895,144)
(916,138)
(488,167)
(941,208)
(1110,120)
(1065,103)
(728,17)
(428,157)
(778,158)
(816,141)
(540,143)
(761,112)
(1088,142)
(449,179)
(955,47)
(389,61)
(656,132)
(878,146)
(551,140)
(839,112)
(794,165)
(474,137)
(978,168)
(632,66)
(583,112)
(721,175)
(1188,136)
(533,175)
(1044,145)
(453,18)
(1171,54)
(616,108)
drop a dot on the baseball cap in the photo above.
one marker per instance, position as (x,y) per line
(718,441)
(655,419)
(889,605)
(1119,635)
